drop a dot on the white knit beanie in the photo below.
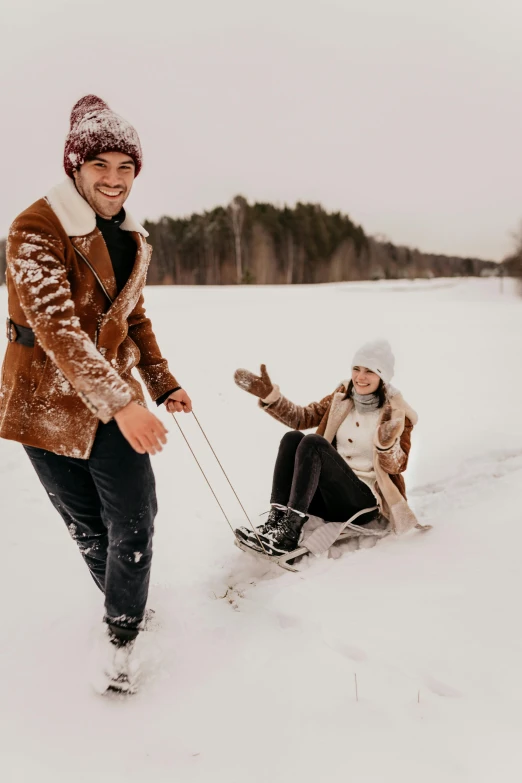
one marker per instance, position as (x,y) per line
(378,357)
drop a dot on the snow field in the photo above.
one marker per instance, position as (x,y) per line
(249,671)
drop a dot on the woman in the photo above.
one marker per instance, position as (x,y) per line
(353,461)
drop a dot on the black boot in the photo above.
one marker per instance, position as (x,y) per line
(284,536)
(247,535)
(121,636)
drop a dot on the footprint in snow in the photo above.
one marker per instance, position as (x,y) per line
(347,650)
(441,688)
(287,621)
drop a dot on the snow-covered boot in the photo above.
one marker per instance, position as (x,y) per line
(115,666)
(284,536)
(247,535)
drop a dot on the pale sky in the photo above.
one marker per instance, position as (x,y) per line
(405,114)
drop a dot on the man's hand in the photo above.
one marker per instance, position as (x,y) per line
(258,385)
(178,401)
(143,430)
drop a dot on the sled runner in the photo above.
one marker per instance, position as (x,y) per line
(281,560)
(318,537)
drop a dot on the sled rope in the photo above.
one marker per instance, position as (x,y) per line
(223,470)
(210,485)
(254,530)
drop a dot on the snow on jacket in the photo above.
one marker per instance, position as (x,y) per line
(328,414)
(53,396)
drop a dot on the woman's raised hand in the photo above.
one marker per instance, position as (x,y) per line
(258,385)
(389,428)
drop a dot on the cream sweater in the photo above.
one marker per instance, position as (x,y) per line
(354,441)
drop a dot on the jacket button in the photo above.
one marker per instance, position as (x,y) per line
(350,440)
(356,423)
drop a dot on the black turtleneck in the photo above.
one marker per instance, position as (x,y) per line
(121,246)
(122,251)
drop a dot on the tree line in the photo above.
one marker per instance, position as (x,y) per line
(512,264)
(264,244)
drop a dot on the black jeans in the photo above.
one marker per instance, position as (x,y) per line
(108,503)
(311,476)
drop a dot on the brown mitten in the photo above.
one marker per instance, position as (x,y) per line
(389,428)
(259,385)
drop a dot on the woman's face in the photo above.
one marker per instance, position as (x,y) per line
(364,380)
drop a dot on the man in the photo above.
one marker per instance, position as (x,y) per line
(76,269)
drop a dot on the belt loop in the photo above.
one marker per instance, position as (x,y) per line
(9,329)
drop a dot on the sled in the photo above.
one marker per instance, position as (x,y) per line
(283,560)
(346,531)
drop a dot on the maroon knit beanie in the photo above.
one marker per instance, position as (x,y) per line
(96,129)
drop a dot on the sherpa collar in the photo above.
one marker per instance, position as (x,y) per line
(75,214)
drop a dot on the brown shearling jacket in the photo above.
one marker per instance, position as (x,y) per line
(79,372)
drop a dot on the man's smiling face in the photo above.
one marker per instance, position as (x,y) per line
(105,182)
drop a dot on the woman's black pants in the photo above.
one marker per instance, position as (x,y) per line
(311,476)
